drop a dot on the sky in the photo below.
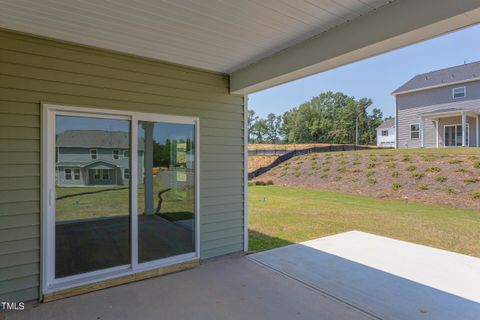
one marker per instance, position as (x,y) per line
(375,77)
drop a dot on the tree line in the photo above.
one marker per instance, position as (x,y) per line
(327,118)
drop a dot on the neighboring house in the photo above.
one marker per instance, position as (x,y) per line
(386,136)
(440,108)
(94,158)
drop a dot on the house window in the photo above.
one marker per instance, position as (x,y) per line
(76,174)
(460,92)
(105,174)
(384,133)
(415,131)
(68,174)
(93,154)
(96,174)
(116,154)
(126,153)
(126,173)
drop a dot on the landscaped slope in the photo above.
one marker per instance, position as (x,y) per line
(448,177)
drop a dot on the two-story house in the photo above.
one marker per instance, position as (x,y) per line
(439,108)
(94,158)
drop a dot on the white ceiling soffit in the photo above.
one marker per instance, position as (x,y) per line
(216,35)
(401,23)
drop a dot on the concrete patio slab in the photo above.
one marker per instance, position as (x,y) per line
(388,278)
(229,288)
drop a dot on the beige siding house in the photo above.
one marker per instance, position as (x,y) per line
(440,108)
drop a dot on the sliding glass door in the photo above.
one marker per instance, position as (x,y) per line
(453,135)
(121,193)
(166,190)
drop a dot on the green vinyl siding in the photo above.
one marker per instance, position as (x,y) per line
(34,69)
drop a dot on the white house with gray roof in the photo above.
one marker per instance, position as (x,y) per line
(386,135)
(94,157)
(440,108)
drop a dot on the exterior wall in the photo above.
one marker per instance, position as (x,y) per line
(410,116)
(34,69)
(386,141)
(457,120)
(436,96)
(62,181)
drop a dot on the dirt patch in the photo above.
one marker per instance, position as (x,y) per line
(439,178)
(256,162)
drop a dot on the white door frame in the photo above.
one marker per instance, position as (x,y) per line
(49,112)
(455,125)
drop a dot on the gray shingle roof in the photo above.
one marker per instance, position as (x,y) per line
(389,123)
(464,72)
(95,139)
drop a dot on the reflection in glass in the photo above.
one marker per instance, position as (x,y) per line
(166,190)
(92,208)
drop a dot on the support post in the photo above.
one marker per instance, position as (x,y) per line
(148,158)
(245,173)
(422,133)
(438,133)
(478,130)
(464,129)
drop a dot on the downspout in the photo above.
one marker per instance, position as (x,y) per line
(245,173)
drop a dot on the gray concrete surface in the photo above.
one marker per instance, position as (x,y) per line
(388,278)
(229,288)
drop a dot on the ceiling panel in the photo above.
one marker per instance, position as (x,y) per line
(216,35)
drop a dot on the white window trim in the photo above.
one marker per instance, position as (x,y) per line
(419,130)
(74,173)
(455,125)
(65,174)
(96,154)
(126,171)
(118,154)
(464,92)
(48,282)
(385,135)
(126,154)
(109,177)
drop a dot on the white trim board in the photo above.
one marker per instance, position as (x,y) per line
(49,111)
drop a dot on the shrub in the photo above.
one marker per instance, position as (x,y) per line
(373,158)
(411,168)
(395,174)
(455,161)
(342,169)
(470,180)
(433,169)
(282,174)
(476,164)
(428,158)
(324,176)
(389,159)
(473,157)
(450,190)
(260,183)
(355,163)
(370,173)
(297,174)
(463,170)
(297,168)
(476,195)
(269,182)
(371,165)
(396,186)
(251,183)
(342,162)
(326,163)
(338,178)
(299,162)
(354,179)
(355,170)
(406,157)
(417,175)
(423,186)
(391,165)
(441,178)
(372,180)
(326,169)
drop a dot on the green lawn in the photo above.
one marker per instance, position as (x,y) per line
(279,216)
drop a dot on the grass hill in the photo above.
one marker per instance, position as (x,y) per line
(449,176)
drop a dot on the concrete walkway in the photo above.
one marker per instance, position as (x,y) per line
(228,288)
(388,278)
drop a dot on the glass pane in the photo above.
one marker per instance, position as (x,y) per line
(166,191)
(449,136)
(459,135)
(92,208)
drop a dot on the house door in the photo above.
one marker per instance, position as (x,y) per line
(453,135)
(101,229)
